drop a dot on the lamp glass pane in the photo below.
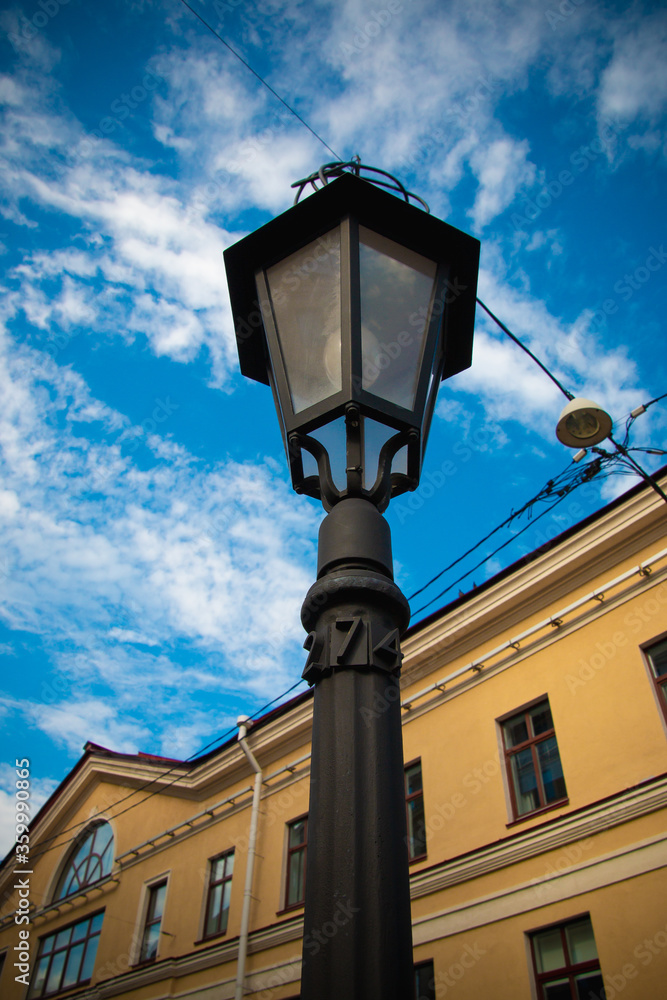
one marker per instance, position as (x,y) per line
(375,436)
(396,293)
(332,436)
(305,296)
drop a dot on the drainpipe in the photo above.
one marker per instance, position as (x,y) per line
(242,723)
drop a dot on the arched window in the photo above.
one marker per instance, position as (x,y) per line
(90,860)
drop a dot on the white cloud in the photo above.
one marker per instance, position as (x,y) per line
(190,554)
(40,790)
(167,555)
(502,169)
(634,84)
(71,724)
(510,384)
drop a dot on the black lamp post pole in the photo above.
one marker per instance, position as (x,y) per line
(357,925)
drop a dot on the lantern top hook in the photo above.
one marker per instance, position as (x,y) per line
(330,171)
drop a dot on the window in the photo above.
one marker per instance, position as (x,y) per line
(533,762)
(424,981)
(154,911)
(566,962)
(657,658)
(297,842)
(219,892)
(414,805)
(90,860)
(66,957)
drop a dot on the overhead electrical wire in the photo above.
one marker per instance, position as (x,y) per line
(549,488)
(604,465)
(154,781)
(552,489)
(260,78)
(523,347)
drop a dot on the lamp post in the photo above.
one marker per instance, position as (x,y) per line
(352,306)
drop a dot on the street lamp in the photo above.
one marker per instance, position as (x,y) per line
(583,424)
(353,305)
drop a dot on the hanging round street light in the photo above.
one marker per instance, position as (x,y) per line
(353,305)
(583,424)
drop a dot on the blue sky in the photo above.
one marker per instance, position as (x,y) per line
(153,557)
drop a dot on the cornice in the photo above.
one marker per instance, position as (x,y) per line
(577,879)
(530,588)
(559,623)
(567,829)
(194,962)
(199,783)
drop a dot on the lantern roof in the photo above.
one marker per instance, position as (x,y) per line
(352,196)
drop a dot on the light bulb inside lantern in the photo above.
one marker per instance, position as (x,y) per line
(371,357)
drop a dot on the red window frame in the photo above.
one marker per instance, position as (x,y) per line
(414,804)
(656,656)
(531,743)
(64,941)
(301,849)
(571,970)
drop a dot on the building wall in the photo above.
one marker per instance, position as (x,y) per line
(488,879)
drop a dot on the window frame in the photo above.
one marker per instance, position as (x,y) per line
(570,969)
(90,831)
(290,852)
(148,921)
(67,949)
(659,686)
(418,967)
(226,878)
(531,743)
(409,799)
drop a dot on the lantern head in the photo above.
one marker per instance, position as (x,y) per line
(353,306)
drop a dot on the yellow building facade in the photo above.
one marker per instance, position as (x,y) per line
(535,743)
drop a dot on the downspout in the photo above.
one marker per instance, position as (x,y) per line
(242,723)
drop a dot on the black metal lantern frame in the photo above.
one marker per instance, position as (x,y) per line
(278,277)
